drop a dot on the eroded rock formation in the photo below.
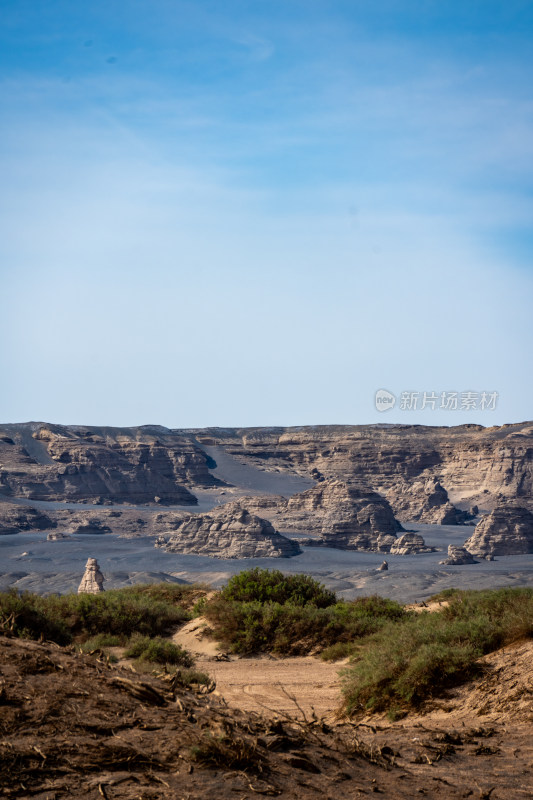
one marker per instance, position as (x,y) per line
(338,514)
(90,525)
(56,536)
(425,501)
(458,556)
(410,544)
(15,518)
(427,474)
(102,465)
(93,580)
(508,530)
(228,532)
(475,465)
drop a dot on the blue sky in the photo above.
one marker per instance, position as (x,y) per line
(256,213)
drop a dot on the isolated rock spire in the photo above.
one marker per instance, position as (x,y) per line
(93,580)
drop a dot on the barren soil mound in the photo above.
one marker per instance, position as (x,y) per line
(73,726)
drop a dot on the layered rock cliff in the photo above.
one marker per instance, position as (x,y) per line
(102,465)
(508,530)
(427,474)
(425,501)
(228,532)
(474,465)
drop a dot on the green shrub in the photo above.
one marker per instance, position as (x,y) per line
(101,641)
(272,586)
(188,676)
(510,610)
(28,615)
(184,595)
(446,594)
(199,607)
(411,660)
(338,651)
(288,628)
(73,617)
(159,651)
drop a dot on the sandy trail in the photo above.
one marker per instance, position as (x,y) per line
(265,684)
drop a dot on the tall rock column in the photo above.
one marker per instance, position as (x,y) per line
(93,580)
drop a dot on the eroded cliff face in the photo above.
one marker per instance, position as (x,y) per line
(425,501)
(431,475)
(338,514)
(472,464)
(103,465)
(508,530)
(228,532)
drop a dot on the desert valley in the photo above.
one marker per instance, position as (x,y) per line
(441,506)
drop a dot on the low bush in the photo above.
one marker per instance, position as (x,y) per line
(293,629)
(189,676)
(73,617)
(159,651)
(272,586)
(30,616)
(184,595)
(338,651)
(411,660)
(101,641)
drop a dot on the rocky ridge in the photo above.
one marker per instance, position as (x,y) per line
(419,473)
(338,514)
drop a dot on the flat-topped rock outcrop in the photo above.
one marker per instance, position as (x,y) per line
(506,531)
(229,531)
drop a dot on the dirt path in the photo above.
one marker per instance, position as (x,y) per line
(265,684)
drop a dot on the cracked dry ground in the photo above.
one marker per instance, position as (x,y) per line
(71,726)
